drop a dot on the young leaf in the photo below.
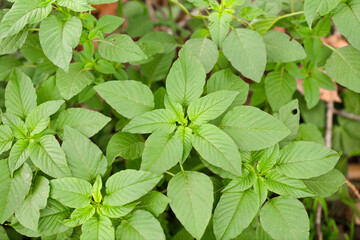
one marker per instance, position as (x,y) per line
(84,158)
(210,107)
(253,129)
(109,23)
(185,135)
(19,153)
(12,43)
(28,214)
(191,199)
(13,190)
(306,160)
(280,48)
(17,126)
(97,228)
(120,48)
(288,213)
(186,78)
(234,213)
(75,5)
(48,156)
(128,185)
(268,158)
(6,138)
(72,192)
(217,148)
(140,225)
(73,80)
(80,215)
(20,96)
(58,38)
(242,183)
(312,7)
(240,47)
(219,26)
(117,211)
(129,98)
(289,115)
(154,202)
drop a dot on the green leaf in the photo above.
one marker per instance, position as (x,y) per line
(96,189)
(176,108)
(234,213)
(162,151)
(325,185)
(279,88)
(312,7)
(13,190)
(154,202)
(185,135)
(48,91)
(289,115)
(268,158)
(157,120)
(205,51)
(126,145)
(309,132)
(28,214)
(242,183)
(3,234)
(7,65)
(17,126)
(120,48)
(58,38)
(240,47)
(74,81)
(280,48)
(117,211)
(129,98)
(158,68)
(48,156)
(98,228)
(285,186)
(80,215)
(72,192)
(86,121)
(12,43)
(261,190)
(129,185)
(140,225)
(288,213)
(343,67)
(22,13)
(323,80)
(6,138)
(186,78)
(191,199)
(217,148)
(20,96)
(19,153)
(306,160)
(51,218)
(210,106)
(39,118)
(226,80)
(109,23)
(101,1)
(84,158)
(253,129)
(219,26)
(75,5)
(311,92)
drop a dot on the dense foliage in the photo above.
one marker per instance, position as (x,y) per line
(189,153)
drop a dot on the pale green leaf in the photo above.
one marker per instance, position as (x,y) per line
(312,7)
(158,68)
(6,138)
(12,43)
(117,211)
(19,153)
(109,23)
(311,92)
(185,135)
(242,183)
(51,218)
(98,228)
(75,5)
(17,126)
(219,26)
(154,202)
(268,158)
(7,64)
(80,215)
(289,115)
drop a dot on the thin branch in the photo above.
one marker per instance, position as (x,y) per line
(151,9)
(319,209)
(353,188)
(329,123)
(347,115)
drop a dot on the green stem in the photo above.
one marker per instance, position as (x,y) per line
(291,14)
(187,11)
(120,8)
(243,22)
(330,47)
(181,167)
(170,173)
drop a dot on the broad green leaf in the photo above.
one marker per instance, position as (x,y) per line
(74,81)
(306,160)
(312,7)
(128,185)
(84,158)
(288,213)
(154,202)
(109,23)
(176,108)
(58,38)
(285,186)
(323,80)
(253,129)
(280,48)
(210,106)
(12,43)
(205,50)
(7,64)
(72,192)
(157,120)
(158,68)
(343,67)
(39,118)
(261,190)
(279,88)
(126,145)
(22,13)
(191,199)
(20,96)
(129,98)
(19,153)
(75,5)
(13,190)
(117,211)
(242,183)
(48,91)
(219,26)
(325,185)
(17,126)
(6,138)
(31,49)
(98,228)
(28,214)
(80,215)
(217,148)
(268,158)
(165,39)
(245,49)
(309,132)
(186,78)
(86,121)
(311,92)
(185,135)
(51,218)
(200,3)
(120,48)
(48,156)
(226,80)
(289,115)
(140,225)
(263,25)
(234,213)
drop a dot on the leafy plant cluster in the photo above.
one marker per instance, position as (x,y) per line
(190,159)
